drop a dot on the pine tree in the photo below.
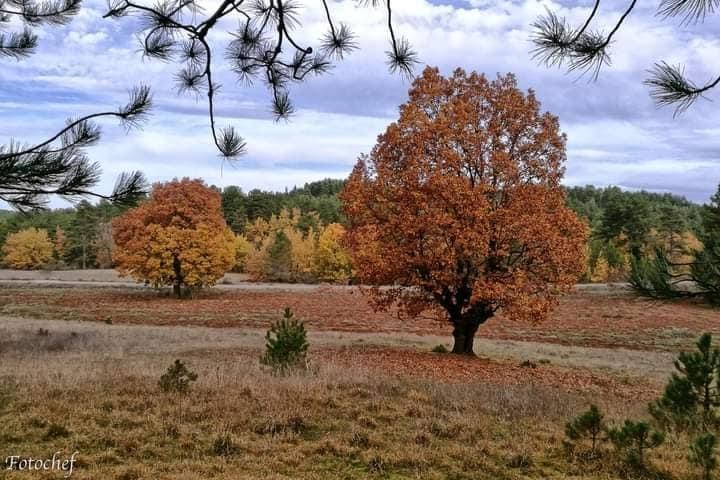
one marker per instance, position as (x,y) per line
(692,395)
(702,454)
(633,439)
(588,424)
(286,344)
(662,277)
(278,263)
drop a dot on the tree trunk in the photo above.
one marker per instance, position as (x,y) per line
(178,281)
(465,328)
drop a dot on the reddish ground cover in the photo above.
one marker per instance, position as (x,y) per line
(583,318)
(456,369)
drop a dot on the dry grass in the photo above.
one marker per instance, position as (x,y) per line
(242,422)
(93,388)
(373,405)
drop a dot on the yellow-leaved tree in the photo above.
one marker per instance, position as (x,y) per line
(332,264)
(27,249)
(178,237)
(302,254)
(243,248)
(255,259)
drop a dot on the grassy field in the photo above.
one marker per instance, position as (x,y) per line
(79,370)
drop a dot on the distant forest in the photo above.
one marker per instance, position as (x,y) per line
(623,223)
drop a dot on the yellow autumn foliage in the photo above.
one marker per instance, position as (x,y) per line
(332,263)
(260,229)
(302,253)
(601,271)
(243,248)
(314,255)
(256,259)
(27,249)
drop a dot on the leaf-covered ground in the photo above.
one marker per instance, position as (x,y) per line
(584,318)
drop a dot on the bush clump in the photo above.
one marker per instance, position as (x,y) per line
(440,348)
(56,430)
(224,446)
(286,344)
(177,378)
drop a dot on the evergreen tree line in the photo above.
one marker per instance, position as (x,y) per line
(660,274)
(315,201)
(629,225)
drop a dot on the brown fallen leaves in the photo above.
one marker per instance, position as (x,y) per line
(461,369)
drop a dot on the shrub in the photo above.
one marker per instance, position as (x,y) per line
(224,446)
(702,454)
(56,431)
(588,424)
(440,348)
(359,440)
(633,439)
(286,344)
(177,378)
(376,465)
(519,460)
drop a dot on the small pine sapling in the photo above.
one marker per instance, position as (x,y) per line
(589,424)
(702,454)
(177,378)
(633,439)
(286,344)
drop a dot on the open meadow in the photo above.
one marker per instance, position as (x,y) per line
(80,364)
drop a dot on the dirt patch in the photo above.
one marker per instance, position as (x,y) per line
(101,276)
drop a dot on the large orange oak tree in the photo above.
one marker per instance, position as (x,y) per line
(458,210)
(178,237)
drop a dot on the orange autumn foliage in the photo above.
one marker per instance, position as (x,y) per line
(178,237)
(461,200)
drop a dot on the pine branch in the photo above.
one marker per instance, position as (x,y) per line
(22,44)
(18,45)
(59,166)
(585,50)
(669,86)
(263,48)
(691,10)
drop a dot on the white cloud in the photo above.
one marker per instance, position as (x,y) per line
(616,135)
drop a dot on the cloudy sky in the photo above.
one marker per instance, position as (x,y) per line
(616,135)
